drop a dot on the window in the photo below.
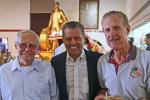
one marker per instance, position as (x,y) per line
(139,35)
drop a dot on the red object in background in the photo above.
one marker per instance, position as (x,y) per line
(89,46)
(10,30)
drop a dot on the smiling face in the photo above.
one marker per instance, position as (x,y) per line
(115,32)
(26,48)
(73,41)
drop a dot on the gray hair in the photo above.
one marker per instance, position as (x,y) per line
(116,13)
(19,34)
(72,25)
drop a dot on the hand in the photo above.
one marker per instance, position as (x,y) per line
(103,97)
(100,97)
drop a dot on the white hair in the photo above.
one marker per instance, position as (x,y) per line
(19,34)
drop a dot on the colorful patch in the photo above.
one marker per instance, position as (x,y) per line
(135,72)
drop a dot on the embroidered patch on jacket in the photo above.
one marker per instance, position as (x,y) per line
(135,72)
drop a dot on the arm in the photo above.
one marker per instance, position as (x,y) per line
(53,86)
(148,81)
(101,95)
(50,21)
(0,90)
(103,91)
(63,16)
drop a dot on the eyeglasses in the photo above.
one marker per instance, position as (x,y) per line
(25,45)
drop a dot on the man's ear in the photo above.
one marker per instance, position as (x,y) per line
(128,29)
(84,36)
(15,46)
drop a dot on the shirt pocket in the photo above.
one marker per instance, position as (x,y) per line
(40,87)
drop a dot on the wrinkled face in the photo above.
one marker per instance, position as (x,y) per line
(73,41)
(115,32)
(147,40)
(26,49)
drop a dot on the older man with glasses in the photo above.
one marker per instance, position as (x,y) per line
(26,78)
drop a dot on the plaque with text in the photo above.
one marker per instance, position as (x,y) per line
(89,13)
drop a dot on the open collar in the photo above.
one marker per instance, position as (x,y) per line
(16,66)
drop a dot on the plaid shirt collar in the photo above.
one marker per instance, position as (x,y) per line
(69,58)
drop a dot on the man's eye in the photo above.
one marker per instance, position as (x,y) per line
(68,39)
(32,46)
(77,38)
(116,28)
(106,30)
(25,45)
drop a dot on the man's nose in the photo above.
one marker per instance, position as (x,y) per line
(111,32)
(27,48)
(73,41)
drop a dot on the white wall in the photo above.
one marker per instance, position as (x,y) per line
(41,6)
(14,14)
(70,8)
(143,15)
(108,5)
(133,6)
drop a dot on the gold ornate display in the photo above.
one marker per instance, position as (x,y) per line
(53,30)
